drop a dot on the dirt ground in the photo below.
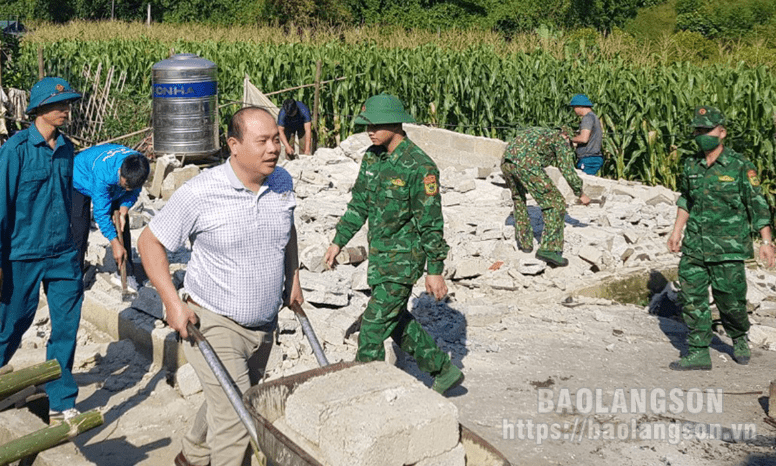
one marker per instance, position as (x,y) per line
(538,344)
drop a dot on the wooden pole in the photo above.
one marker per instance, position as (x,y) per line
(148,16)
(316,101)
(48,437)
(41,72)
(22,378)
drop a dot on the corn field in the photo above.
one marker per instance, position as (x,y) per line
(645,110)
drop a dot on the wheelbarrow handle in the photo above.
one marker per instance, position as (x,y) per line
(307,328)
(231,390)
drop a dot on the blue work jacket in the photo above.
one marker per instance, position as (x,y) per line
(36,186)
(96,175)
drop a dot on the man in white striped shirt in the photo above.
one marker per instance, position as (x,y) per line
(239,218)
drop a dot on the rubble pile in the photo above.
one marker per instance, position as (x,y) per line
(623,230)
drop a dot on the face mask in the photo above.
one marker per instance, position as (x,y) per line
(707,143)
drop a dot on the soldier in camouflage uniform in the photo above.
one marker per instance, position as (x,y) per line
(721,203)
(523,166)
(397,191)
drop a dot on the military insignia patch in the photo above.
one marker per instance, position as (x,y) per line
(753,179)
(398,182)
(60,87)
(430,182)
(726,178)
(702,111)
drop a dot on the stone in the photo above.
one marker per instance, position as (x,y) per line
(591,254)
(763,336)
(483,315)
(351,255)
(359,280)
(187,381)
(531,266)
(177,178)
(483,172)
(328,288)
(470,268)
(465,186)
(162,167)
(561,183)
(454,457)
(311,258)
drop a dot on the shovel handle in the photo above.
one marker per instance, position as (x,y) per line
(120,236)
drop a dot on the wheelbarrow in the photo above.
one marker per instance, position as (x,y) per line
(266,403)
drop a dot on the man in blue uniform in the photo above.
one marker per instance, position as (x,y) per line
(294,119)
(110,177)
(36,244)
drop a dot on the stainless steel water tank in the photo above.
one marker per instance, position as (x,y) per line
(185,95)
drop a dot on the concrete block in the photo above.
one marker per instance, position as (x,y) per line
(393,427)
(561,183)
(470,268)
(325,288)
(465,186)
(660,198)
(454,457)
(311,403)
(187,381)
(531,266)
(177,178)
(163,166)
(591,254)
(483,315)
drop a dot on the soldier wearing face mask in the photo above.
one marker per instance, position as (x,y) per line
(721,204)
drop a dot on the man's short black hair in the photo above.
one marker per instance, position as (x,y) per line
(290,107)
(236,124)
(135,169)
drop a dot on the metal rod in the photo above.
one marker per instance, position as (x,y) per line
(310,334)
(231,390)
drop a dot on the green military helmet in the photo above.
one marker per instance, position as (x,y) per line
(707,117)
(383,109)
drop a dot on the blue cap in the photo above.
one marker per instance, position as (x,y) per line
(50,90)
(580,100)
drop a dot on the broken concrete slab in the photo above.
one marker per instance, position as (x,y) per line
(177,178)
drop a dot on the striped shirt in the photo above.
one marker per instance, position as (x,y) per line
(238,240)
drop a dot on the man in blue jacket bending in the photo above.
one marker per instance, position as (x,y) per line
(109,177)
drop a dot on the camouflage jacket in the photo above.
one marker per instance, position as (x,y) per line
(725,203)
(544,147)
(399,194)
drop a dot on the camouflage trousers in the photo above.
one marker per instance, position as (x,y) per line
(728,287)
(386,316)
(524,177)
